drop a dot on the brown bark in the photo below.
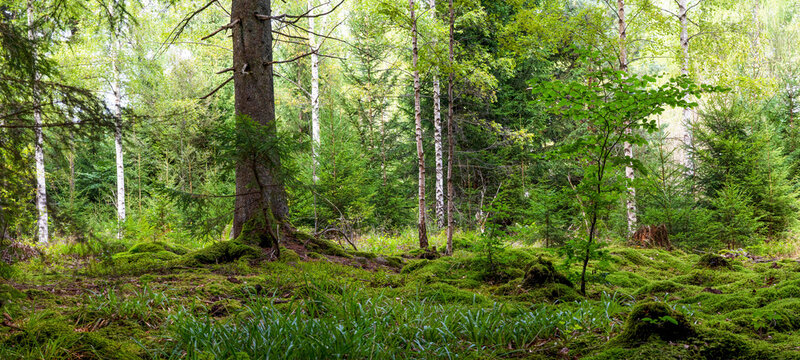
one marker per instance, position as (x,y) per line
(259,189)
(421,226)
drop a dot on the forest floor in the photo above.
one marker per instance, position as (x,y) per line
(226,301)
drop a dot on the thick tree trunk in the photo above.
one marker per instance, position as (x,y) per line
(450,147)
(686,123)
(117,88)
(421,226)
(437,139)
(627,147)
(41,189)
(260,195)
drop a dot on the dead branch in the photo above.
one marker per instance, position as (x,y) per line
(217,89)
(222,28)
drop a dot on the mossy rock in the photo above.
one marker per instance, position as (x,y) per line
(323,246)
(222,252)
(157,246)
(541,272)
(395,261)
(713,261)
(289,255)
(654,319)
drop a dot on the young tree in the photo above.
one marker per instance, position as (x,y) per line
(607,108)
(421,226)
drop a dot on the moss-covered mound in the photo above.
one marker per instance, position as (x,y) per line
(157,246)
(541,272)
(654,319)
(223,252)
(713,261)
(69,344)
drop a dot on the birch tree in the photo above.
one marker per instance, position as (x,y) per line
(421,226)
(450,147)
(41,189)
(116,89)
(437,136)
(630,202)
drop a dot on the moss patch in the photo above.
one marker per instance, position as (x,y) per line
(222,252)
(713,261)
(541,272)
(652,319)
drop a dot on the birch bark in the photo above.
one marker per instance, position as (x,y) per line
(421,226)
(41,189)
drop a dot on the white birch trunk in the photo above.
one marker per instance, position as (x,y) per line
(117,89)
(450,146)
(315,136)
(686,124)
(437,139)
(627,147)
(421,224)
(41,188)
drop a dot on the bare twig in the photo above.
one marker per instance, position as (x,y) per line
(217,89)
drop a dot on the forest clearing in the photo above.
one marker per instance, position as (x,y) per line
(392,179)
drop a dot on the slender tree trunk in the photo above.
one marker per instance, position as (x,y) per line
(383,145)
(260,195)
(423,231)
(315,137)
(41,189)
(687,112)
(450,147)
(437,139)
(118,140)
(627,147)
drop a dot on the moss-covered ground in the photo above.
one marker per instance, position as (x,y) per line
(231,301)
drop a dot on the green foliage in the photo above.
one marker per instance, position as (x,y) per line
(734,221)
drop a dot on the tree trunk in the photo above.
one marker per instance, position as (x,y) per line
(450,146)
(315,137)
(627,147)
(687,112)
(117,89)
(260,195)
(423,231)
(41,189)
(437,139)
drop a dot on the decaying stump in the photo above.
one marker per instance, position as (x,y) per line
(652,236)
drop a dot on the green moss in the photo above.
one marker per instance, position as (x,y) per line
(628,256)
(314,255)
(224,307)
(626,279)
(288,255)
(70,344)
(447,294)
(713,261)
(157,246)
(222,252)
(395,261)
(541,272)
(659,288)
(9,293)
(654,319)
(414,265)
